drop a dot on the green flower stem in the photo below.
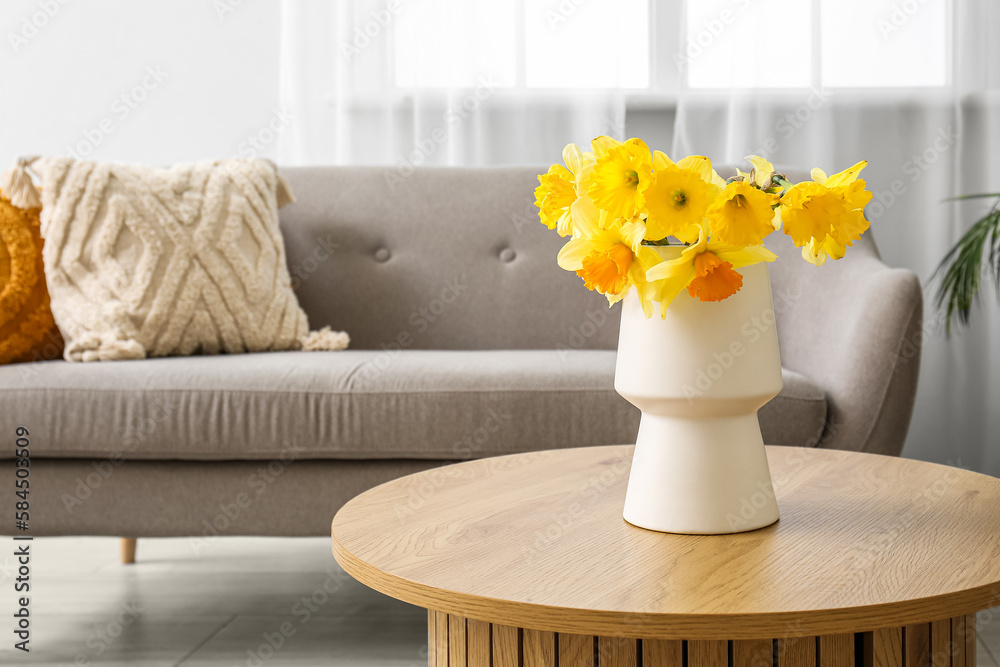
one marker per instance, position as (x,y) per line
(781,180)
(666,242)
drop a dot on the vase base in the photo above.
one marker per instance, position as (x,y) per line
(695,532)
(700,476)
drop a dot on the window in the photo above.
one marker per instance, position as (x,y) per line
(646,46)
(895,44)
(442,44)
(748,44)
(540,44)
(824,43)
(588,45)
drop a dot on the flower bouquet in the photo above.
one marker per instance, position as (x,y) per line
(700,371)
(620,202)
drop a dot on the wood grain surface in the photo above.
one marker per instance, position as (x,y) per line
(539,648)
(481,644)
(884,648)
(753,653)
(708,653)
(917,645)
(836,651)
(576,650)
(664,653)
(794,652)
(506,646)
(617,652)
(537,541)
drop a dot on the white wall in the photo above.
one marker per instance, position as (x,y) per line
(81,81)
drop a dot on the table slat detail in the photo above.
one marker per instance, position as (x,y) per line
(797,652)
(431,638)
(884,648)
(917,645)
(539,648)
(506,646)
(941,643)
(458,649)
(576,650)
(970,640)
(752,653)
(836,650)
(662,653)
(441,634)
(708,653)
(958,641)
(617,652)
(455,641)
(478,634)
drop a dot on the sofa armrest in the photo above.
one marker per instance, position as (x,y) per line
(855,328)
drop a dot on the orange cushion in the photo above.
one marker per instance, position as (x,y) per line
(27,330)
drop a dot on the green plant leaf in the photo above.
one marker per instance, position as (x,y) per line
(961,269)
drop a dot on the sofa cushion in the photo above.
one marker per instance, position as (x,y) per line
(797,416)
(358,404)
(142,261)
(27,330)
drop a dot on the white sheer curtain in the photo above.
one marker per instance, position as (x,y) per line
(910,85)
(443,82)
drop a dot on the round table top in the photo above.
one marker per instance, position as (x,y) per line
(537,540)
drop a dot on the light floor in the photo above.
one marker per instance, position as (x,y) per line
(227,604)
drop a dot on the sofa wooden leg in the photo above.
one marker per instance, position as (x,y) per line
(128,550)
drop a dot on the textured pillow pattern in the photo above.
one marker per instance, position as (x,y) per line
(153,262)
(27,330)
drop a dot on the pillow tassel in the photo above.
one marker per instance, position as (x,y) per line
(17,185)
(325,340)
(284,192)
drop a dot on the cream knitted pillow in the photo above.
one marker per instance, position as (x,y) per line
(154,262)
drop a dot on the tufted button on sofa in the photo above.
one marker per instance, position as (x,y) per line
(467,341)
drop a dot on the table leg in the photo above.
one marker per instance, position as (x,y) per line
(128,545)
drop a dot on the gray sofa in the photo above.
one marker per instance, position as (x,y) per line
(467,341)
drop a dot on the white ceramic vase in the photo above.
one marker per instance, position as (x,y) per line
(699,376)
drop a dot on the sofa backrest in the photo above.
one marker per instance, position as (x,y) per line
(441,258)
(455,258)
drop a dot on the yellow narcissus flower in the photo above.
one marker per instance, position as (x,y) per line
(610,260)
(707,269)
(678,197)
(559,189)
(604,259)
(742,215)
(619,197)
(824,216)
(620,174)
(602,144)
(761,173)
(555,195)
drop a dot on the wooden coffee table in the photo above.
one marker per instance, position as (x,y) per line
(526,560)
